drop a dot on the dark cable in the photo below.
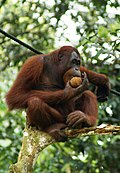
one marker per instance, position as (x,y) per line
(20,42)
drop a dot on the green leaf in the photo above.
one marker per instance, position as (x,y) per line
(103,32)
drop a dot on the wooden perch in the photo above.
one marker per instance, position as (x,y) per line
(35,141)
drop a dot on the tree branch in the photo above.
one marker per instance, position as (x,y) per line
(103,129)
(35,141)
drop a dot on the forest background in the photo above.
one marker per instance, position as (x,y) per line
(93,27)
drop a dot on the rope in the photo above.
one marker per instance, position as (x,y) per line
(20,42)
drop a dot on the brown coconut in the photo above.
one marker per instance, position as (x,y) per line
(75,82)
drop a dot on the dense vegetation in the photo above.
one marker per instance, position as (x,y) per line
(94,28)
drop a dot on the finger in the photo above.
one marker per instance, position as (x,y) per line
(68,84)
(84,74)
(72,121)
(78,123)
(70,118)
(71,114)
(101,99)
(85,83)
(85,78)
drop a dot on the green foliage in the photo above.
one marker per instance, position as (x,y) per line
(102,32)
(94,28)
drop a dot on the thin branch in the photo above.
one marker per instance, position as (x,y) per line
(99,130)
